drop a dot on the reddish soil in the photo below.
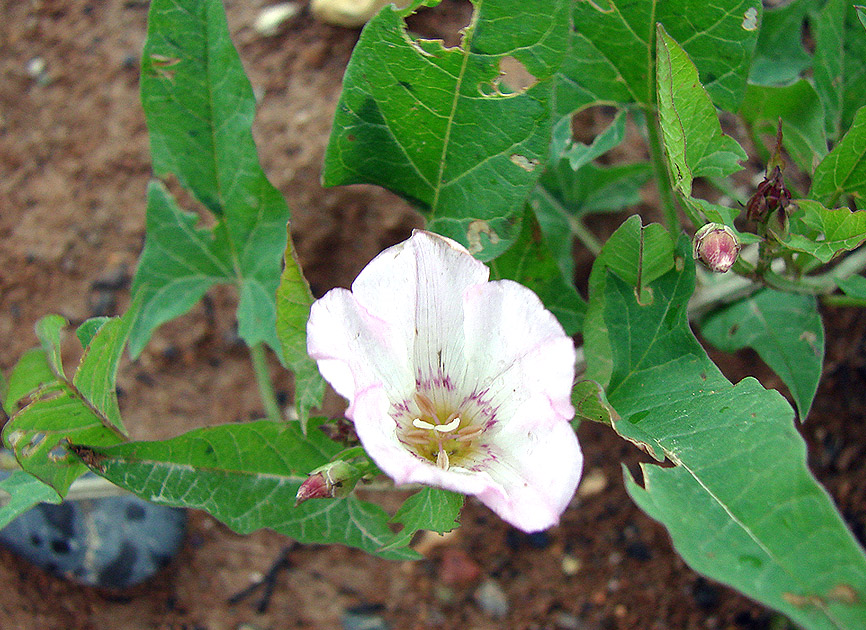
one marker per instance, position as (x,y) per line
(74,164)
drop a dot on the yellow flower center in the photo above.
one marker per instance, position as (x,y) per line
(439,433)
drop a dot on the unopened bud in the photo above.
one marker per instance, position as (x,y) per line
(717,247)
(333,480)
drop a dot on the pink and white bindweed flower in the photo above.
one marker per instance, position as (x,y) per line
(454,381)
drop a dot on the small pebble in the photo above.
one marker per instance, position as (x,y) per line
(270,19)
(570,565)
(492,599)
(567,621)
(457,568)
(594,482)
(364,617)
(35,67)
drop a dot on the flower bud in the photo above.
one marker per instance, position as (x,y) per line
(333,480)
(716,246)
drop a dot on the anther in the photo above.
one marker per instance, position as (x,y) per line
(446,428)
(422,424)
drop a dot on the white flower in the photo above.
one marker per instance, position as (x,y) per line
(454,381)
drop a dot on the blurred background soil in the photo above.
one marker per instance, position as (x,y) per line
(73,170)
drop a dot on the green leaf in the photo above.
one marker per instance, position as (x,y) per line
(693,138)
(179,263)
(530,263)
(828,26)
(438,126)
(97,371)
(49,330)
(638,255)
(716,213)
(802,117)
(854,287)
(593,189)
(579,154)
(433,509)
(293,310)
(199,108)
(30,373)
(843,171)
(854,68)
(21,491)
(86,331)
(612,47)
(590,403)
(784,329)
(739,500)
(824,233)
(247,476)
(39,432)
(564,196)
(60,410)
(779,55)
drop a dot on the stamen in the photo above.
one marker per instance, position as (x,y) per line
(425,405)
(442,458)
(446,428)
(417,437)
(422,424)
(469,433)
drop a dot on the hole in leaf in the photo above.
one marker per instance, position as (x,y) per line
(445,22)
(514,78)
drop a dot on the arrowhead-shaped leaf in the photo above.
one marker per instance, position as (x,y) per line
(693,138)
(247,476)
(439,125)
(739,500)
(636,254)
(199,108)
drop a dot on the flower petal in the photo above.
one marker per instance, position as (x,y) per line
(354,349)
(518,351)
(535,477)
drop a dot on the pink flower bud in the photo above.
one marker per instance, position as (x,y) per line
(716,246)
(335,479)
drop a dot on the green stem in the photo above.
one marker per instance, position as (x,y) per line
(663,182)
(266,387)
(585,236)
(843,300)
(576,226)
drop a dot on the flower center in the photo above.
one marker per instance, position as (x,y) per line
(438,433)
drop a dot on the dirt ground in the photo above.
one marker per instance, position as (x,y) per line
(73,171)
